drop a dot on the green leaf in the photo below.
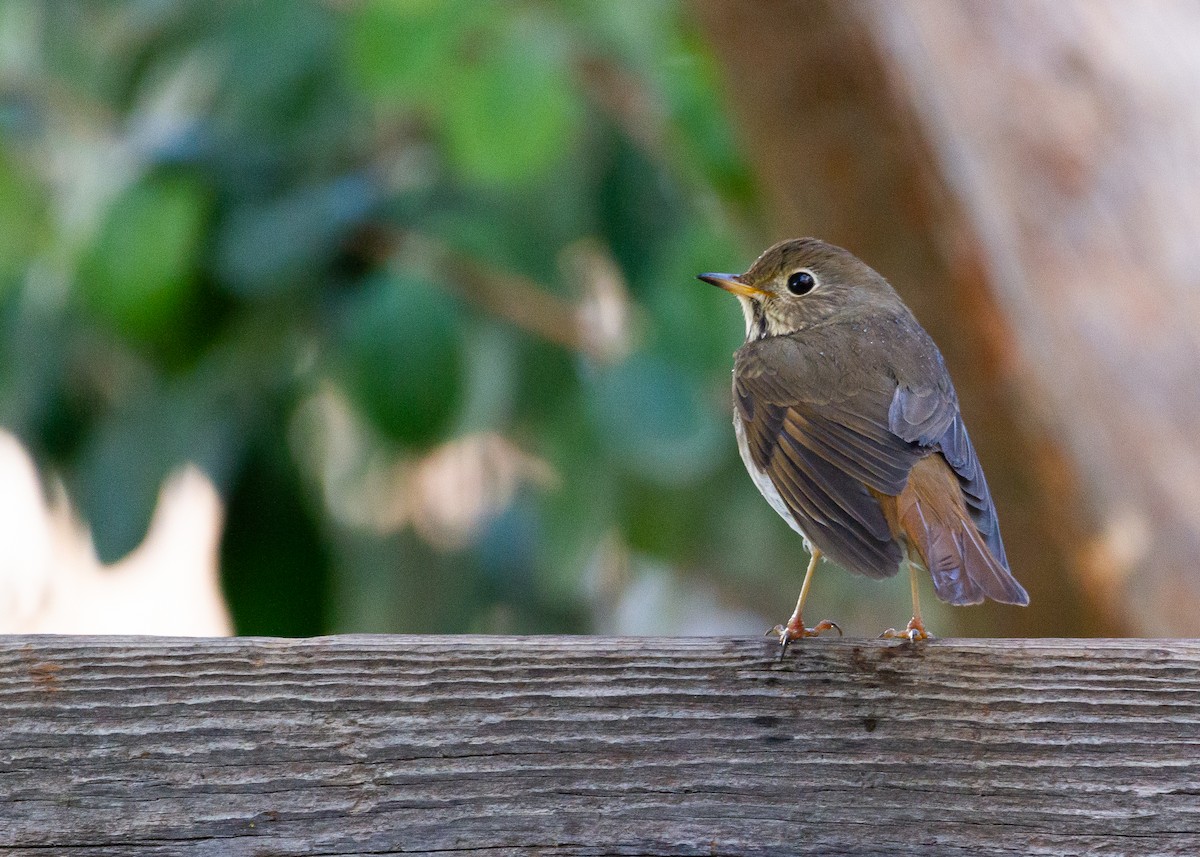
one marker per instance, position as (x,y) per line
(276,47)
(655,421)
(132,450)
(496,82)
(705,131)
(401,358)
(639,207)
(398,51)
(139,276)
(510,110)
(275,566)
(666,521)
(21,219)
(284,244)
(695,324)
(32,375)
(578,513)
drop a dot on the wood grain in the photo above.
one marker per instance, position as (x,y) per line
(557,745)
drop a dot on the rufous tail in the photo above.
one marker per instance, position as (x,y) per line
(932,513)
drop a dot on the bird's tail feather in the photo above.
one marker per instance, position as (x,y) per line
(934,517)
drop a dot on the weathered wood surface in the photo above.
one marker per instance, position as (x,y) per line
(553,745)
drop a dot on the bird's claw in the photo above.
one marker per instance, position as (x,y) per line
(796,631)
(913,632)
(910,634)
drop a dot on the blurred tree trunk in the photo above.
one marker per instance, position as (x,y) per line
(1027,174)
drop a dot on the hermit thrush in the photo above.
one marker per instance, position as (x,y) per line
(848,423)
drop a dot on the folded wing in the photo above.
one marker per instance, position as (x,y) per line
(842,459)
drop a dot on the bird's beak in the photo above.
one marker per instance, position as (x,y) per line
(732,283)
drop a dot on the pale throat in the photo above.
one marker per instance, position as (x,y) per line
(756,322)
(759,323)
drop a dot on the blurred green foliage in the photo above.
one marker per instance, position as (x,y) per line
(233,233)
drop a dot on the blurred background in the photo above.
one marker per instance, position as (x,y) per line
(380,315)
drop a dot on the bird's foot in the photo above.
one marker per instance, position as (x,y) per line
(913,632)
(795,630)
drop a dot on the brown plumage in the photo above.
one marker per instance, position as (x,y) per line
(848,422)
(932,516)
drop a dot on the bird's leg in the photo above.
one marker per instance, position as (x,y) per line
(794,629)
(916,628)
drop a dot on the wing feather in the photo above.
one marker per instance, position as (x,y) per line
(827,448)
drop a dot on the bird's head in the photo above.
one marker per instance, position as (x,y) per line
(801,282)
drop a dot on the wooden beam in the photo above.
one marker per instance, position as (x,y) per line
(578,745)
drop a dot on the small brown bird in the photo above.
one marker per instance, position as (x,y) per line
(848,423)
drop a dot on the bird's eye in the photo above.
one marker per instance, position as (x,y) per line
(801,283)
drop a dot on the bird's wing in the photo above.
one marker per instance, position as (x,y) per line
(832,446)
(924,410)
(826,448)
(956,447)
